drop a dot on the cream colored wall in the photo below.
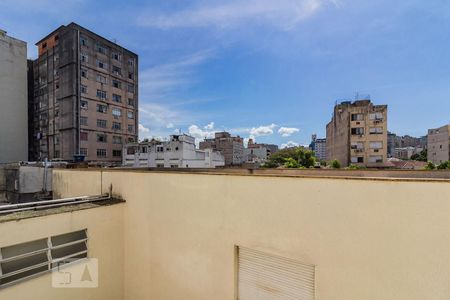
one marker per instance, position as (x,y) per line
(105,232)
(369,239)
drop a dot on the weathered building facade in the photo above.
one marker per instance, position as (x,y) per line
(232,148)
(438,144)
(357,134)
(13,99)
(85,98)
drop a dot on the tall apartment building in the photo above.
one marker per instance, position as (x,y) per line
(178,152)
(232,148)
(438,144)
(319,147)
(357,134)
(85,96)
(13,99)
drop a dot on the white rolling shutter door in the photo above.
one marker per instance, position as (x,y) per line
(263,276)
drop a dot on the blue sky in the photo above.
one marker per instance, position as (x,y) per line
(263,68)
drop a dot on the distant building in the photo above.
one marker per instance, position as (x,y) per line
(396,141)
(319,147)
(258,152)
(232,148)
(438,144)
(13,99)
(178,152)
(85,96)
(357,134)
(406,152)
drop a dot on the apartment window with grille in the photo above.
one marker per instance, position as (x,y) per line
(117,153)
(358,131)
(101,94)
(116,56)
(130,128)
(130,115)
(259,274)
(84,42)
(101,79)
(116,70)
(84,73)
(376,116)
(84,151)
(117,84)
(84,121)
(102,108)
(84,89)
(130,88)
(117,139)
(100,49)
(376,130)
(102,138)
(376,159)
(101,123)
(116,112)
(84,58)
(101,64)
(117,98)
(101,152)
(357,159)
(130,102)
(83,136)
(83,104)
(30,259)
(357,117)
(376,145)
(116,126)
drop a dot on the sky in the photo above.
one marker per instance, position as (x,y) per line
(264,69)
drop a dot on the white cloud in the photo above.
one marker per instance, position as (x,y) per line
(170,125)
(287,131)
(284,14)
(262,130)
(199,133)
(289,144)
(144,132)
(210,126)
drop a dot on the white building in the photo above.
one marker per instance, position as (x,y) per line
(406,152)
(13,100)
(178,152)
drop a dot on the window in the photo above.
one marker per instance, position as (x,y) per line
(357,117)
(84,151)
(116,70)
(144,149)
(159,148)
(117,84)
(84,42)
(116,98)
(357,131)
(83,89)
(117,153)
(130,88)
(357,159)
(376,159)
(101,79)
(100,64)
(84,58)
(100,48)
(130,140)
(130,115)
(130,128)
(83,136)
(101,152)
(131,150)
(357,145)
(84,121)
(130,76)
(101,94)
(260,274)
(376,116)
(116,126)
(101,123)
(102,108)
(117,139)
(102,138)
(116,56)
(23,260)
(376,145)
(130,102)
(131,62)
(116,112)
(376,130)
(84,73)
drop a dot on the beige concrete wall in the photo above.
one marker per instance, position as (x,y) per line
(439,144)
(13,100)
(369,239)
(105,233)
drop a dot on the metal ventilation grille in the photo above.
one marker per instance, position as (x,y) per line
(263,276)
(26,260)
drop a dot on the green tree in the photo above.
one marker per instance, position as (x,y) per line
(291,158)
(335,164)
(430,166)
(422,156)
(443,166)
